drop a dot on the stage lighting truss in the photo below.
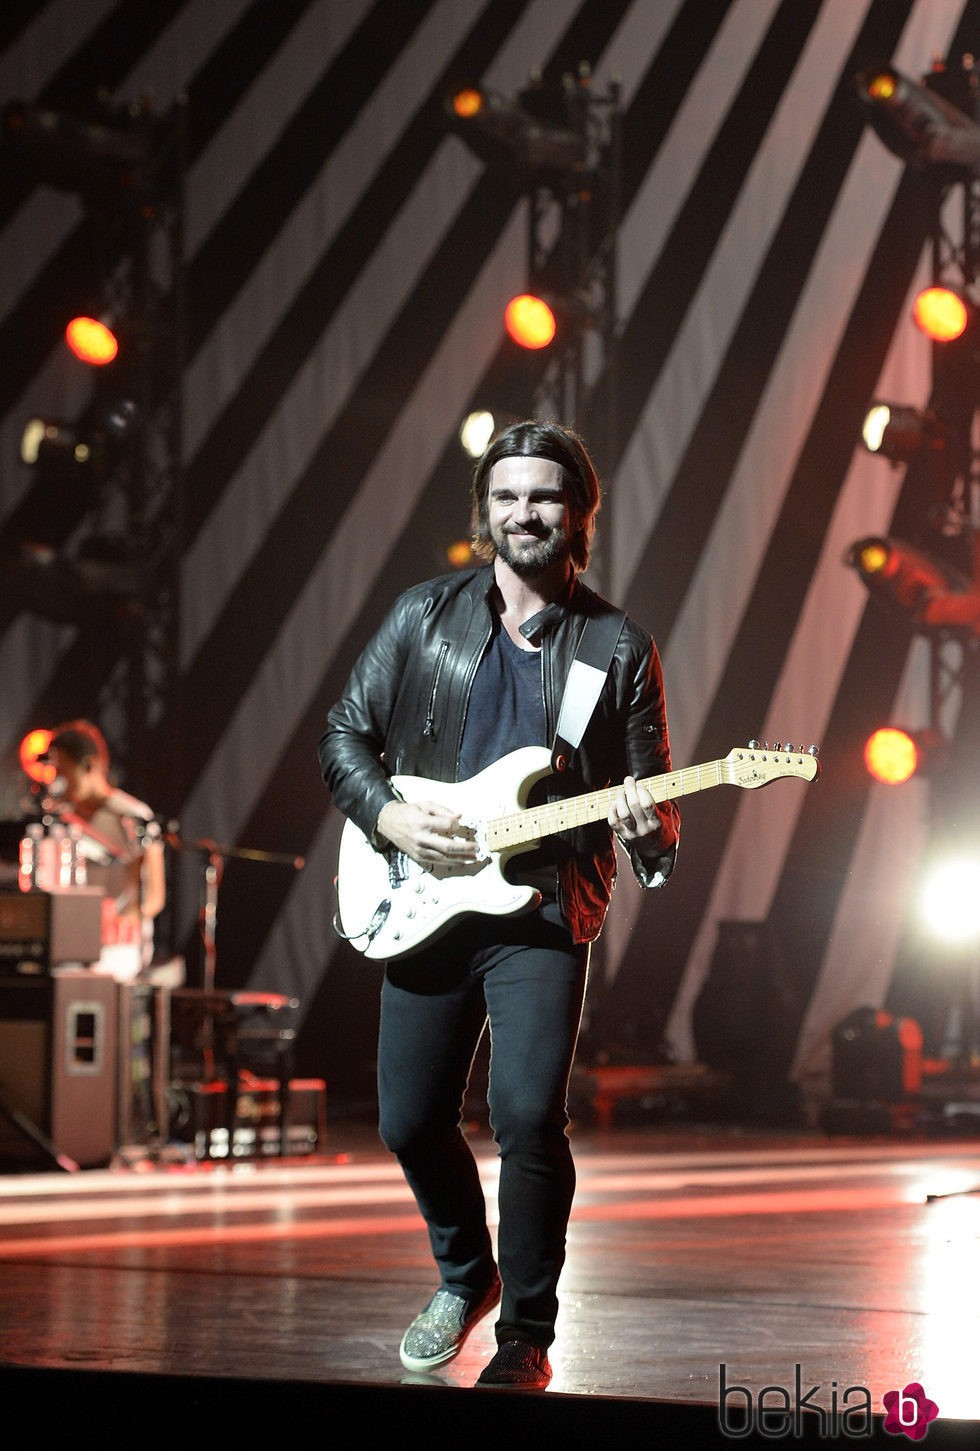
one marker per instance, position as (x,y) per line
(898,432)
(559,143)
(96,539)
(918,122)
(928,593)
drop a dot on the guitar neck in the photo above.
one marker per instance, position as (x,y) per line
(536,822)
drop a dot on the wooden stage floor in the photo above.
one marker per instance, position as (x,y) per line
(251,1298)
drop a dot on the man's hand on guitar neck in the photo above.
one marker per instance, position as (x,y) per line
(634,818)
(427,832)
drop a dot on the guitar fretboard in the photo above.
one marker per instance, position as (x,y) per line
(535,822)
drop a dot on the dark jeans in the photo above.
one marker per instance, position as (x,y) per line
(526,978)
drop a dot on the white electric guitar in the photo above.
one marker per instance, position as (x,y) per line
(390,906)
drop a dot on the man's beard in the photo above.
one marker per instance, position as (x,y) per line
(533,558)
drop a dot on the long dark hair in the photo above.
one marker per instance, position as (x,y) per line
(533,439)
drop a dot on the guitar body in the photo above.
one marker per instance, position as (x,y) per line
(390,906)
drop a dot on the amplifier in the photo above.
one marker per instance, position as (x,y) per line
(41,930)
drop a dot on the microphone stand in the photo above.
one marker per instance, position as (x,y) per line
(215,856)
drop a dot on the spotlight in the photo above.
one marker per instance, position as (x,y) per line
(893,755)
(93,442)
(530,320)
(467,103)
(56,444)
(943,313)
(536,319)
(33,748)
(476,431)
(949,899)
(907,575)
(915,122)
(92,340)
(513,141)
(898,433)
(927,592)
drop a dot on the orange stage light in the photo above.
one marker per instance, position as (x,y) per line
(882,85)
(530,321)
(891,756)
(941,313)
(34,744)
(91,341)
(468,102)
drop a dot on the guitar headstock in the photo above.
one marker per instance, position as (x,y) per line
(758,763)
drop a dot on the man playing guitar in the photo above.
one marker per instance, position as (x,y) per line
(464,670)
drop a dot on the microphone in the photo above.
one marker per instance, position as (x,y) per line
(54,793)
(125,805)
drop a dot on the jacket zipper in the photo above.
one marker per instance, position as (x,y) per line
(429,729)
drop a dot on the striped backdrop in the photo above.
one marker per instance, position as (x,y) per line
(347,260)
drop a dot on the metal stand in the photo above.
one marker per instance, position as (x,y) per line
(30,1130)
(968,1055)
(214,1009)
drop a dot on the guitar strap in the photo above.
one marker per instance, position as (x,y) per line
(596,647)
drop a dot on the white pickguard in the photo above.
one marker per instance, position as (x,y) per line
(417,905)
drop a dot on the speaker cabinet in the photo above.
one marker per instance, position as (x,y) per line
(742,1007)
(745,1021)
(59,1049)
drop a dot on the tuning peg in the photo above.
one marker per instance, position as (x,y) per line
(778,746)
(813,750)
(788,747)
(755,745)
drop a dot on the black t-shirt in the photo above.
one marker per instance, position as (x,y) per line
(506,711)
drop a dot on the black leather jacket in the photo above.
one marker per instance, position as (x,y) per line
(404,705)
